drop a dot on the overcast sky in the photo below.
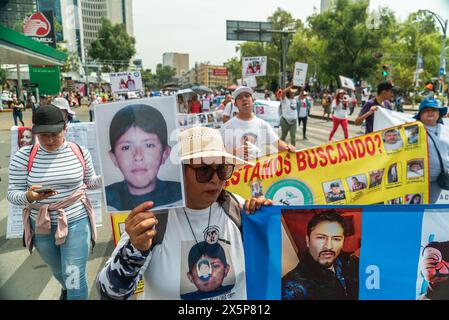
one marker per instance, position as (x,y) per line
(198,27)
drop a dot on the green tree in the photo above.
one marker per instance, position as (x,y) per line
(113,46)
(234,66)
(149,79)
(164,74)
(348,40)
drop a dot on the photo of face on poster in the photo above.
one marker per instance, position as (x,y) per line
(433,269)
(375,178)
(138,163)
(412,133)
(357,182)
(392,140)
(315,241)
(415,168)
(256,188)
(25,137)
(393,173)
(207,271)
(333,191)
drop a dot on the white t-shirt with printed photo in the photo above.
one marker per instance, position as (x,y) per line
(260,135)
(340,112)
(289,109)
(166,276)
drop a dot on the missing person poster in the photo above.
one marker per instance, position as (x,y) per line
(268,110)
(254,66)
(300,74)
(135,146)
(122,82)
(384,167)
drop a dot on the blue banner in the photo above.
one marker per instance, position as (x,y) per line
(347,252)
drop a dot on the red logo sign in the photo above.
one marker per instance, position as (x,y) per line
(220,72)
(36,25)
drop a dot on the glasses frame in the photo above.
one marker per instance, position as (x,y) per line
(216,169)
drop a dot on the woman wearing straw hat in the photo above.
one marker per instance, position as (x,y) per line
(430,114)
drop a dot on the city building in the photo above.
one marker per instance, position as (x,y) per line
(14,11)
(179,61)
(213,76)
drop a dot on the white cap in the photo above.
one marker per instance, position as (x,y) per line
(240,90)
(63,104)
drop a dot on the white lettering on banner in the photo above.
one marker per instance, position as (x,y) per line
(73,280)
(373,279)
(195,310)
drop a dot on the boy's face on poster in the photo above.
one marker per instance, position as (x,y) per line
(139,155)
(326,242)
(218,273)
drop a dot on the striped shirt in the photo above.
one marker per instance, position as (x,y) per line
(61,170)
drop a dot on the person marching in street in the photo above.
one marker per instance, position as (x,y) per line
(340,113)
(303,112)
(50,180)
(288,115)
(197,236)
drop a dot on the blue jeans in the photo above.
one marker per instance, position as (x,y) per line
(67,261)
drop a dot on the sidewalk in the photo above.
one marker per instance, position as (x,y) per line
(317,112)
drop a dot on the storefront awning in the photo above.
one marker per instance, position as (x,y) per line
(15,48)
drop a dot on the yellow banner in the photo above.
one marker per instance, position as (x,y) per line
(384,167)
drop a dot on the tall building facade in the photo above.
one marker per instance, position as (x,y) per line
(213,76)
(14,11)
(179,61)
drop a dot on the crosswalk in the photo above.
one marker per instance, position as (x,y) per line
(25,276)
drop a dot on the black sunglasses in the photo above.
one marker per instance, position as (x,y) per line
(204,174)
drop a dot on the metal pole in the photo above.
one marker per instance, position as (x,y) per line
(87,72)
(443,58)
(19,83)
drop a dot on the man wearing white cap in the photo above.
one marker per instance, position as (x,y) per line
(63,104)
(247,136)
(157,246)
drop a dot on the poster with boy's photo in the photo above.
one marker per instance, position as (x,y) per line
(136,140)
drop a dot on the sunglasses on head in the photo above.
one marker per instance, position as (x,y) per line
(204,174)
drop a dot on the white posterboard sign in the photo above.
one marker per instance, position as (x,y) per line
(254,66)
(122,82)
(347,83)
(300,74)
(250,82)
(82,133)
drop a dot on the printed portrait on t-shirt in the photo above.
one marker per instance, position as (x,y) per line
(206,268)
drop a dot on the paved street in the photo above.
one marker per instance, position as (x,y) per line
(26,277)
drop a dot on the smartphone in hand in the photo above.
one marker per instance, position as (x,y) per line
(44,190)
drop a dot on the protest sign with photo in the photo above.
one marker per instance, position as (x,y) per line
(248,82)
(347,83)
(300,74)
(268,110)
(360,170)
(122,82)
(138,158)
(254,66)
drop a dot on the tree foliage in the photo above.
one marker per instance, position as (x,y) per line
(113,45)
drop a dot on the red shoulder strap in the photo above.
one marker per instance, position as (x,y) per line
(79,154)
(32,156)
